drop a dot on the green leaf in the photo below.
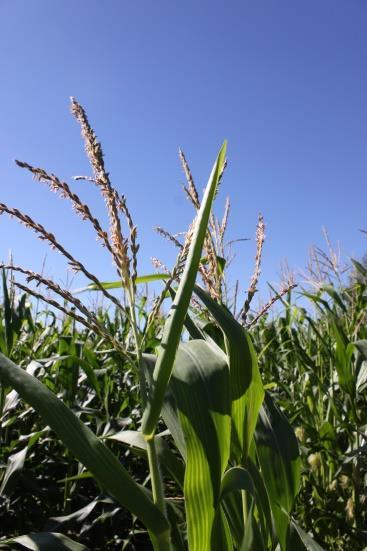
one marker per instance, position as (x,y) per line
(176,317)
(83,443)
(201,387)
(262,500)
(278,454)
(118,284)
(45,541)
(236,480)
(246,386)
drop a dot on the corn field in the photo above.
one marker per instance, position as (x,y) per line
(186,421)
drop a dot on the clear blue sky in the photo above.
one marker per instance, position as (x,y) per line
(285,82)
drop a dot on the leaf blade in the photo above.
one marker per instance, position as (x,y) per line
(83,443)
(176,317)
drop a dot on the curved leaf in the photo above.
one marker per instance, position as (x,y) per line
(14,466)
(246,386)
(300,540)
(278,454)
(44,541)
(201,387)
(83,443)
(176,317)
(118,284)
(237,478)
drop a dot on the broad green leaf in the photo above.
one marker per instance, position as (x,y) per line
(246,386)
(118,284)
(278,454)
(45,541)
(176,316)
(83,443)
(201,387)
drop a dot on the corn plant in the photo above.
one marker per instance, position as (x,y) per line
(207,426)
(317,360)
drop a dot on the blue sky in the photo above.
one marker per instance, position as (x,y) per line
(285,82)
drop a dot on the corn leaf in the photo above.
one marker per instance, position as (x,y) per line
(237,478)
(118,284)
(278,454)
(201,387)
(82,442)
(176,317)
(44,541)
(77,517)
(262,500)
(246,386)
(14,467)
